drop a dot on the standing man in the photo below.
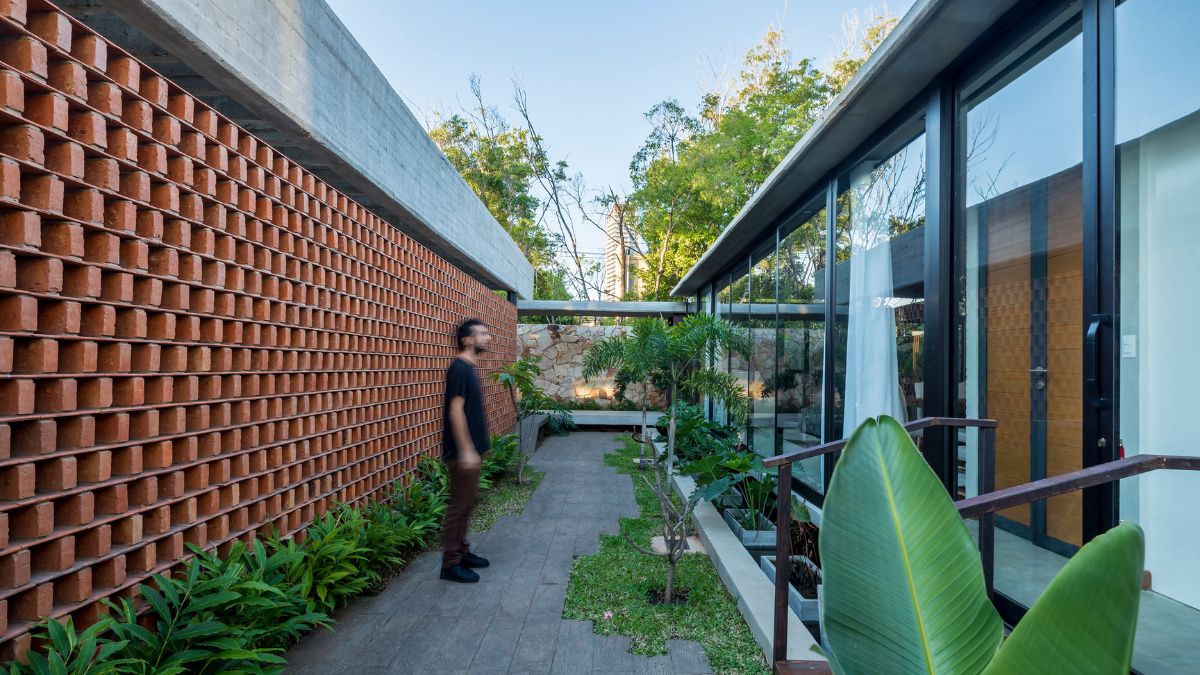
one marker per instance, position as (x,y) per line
(464,441)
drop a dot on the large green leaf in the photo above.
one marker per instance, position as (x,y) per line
(1085,620)
(903,585)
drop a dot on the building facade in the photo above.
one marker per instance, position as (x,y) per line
(996,219)
(622,259)
(202,338)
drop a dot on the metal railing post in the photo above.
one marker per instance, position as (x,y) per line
(987,521)
(783,558)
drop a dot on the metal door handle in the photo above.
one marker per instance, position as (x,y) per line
(1091,357)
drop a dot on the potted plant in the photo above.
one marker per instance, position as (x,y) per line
(804,575)
(528,400)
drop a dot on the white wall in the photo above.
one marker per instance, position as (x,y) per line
(1167,360)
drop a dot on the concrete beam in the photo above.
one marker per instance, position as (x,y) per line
(296,67)
(587,308)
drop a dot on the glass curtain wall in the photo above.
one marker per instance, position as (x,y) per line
(1157,127)
(801,343)
(739,314)
(879,286)
(1019,271)
(762,379)
(721,415)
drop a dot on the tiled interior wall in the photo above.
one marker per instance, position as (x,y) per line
(198,339)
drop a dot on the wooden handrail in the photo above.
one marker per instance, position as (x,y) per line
(911,427)
(1072,481)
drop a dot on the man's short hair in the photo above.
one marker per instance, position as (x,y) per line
(465,329)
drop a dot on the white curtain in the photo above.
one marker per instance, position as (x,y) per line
(872,374)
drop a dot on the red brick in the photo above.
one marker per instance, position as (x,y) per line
(42,192)
(17,10)
(49,110)
(61,317)
(77,432)
(86,205)
(119,214)
(21,228)
(15,569)
(130,391)
(127,461)
(147,291)
(117,287)
(113,499)
(17,397)
(95,392)
(95,467)
(10,180)
(105,96)
(144,492)
(95,542)
(154,88)
(99,320)
(138,114)
(82,281)
(67,159)
(35,437)
(128,531)
(131,323)
(113,573)
(153,158)
(33,522)
(78,356)
(12,91)
(37,355)
(91,50)
(115,429)
(6,355)
(125,71)
(56,395)
(27,54)
(57,474)
(55,555)
(90,128)
(123,143)
(134,254)
(150,224)
(40,275)
(63,238)
(53,27)
(165,196)
(136,185)
(157,521)
(70,78)
(170,548)
(24,142)
(206,121)
(182,106)
(102,248)
(78,509)
(18,482)
(73,588)
(143,424)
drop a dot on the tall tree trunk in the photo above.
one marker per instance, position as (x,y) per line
(669,591)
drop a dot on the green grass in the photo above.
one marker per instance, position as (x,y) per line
(614,582)
(505,497)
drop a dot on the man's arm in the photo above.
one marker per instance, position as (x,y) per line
(467,455)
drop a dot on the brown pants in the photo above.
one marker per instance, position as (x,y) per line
(464,490)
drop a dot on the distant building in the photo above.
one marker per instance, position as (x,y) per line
(622,258)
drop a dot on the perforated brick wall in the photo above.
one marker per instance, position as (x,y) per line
(198,339)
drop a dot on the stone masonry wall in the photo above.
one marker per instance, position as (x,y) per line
(562,349)
(199,340)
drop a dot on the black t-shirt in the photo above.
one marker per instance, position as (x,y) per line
(461,380)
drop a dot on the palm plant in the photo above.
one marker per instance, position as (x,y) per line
(678,358)
(634,356)
(528,399)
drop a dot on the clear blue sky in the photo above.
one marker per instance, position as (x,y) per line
(590,69)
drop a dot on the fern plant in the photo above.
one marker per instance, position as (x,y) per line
(332,564)
(69,653)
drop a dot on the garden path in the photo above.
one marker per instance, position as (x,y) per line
(510,622)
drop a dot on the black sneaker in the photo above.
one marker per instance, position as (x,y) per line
(460,574)
(471,560)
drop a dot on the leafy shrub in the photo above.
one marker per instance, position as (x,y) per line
(268,608)
(90,652)
(387,535)
(333,565)
(695,435)
(187,636)
(506,450)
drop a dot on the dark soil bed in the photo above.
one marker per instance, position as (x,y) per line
(678,597)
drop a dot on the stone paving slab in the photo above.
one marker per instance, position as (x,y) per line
(510,622)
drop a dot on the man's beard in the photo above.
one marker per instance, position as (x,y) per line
(478,349)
